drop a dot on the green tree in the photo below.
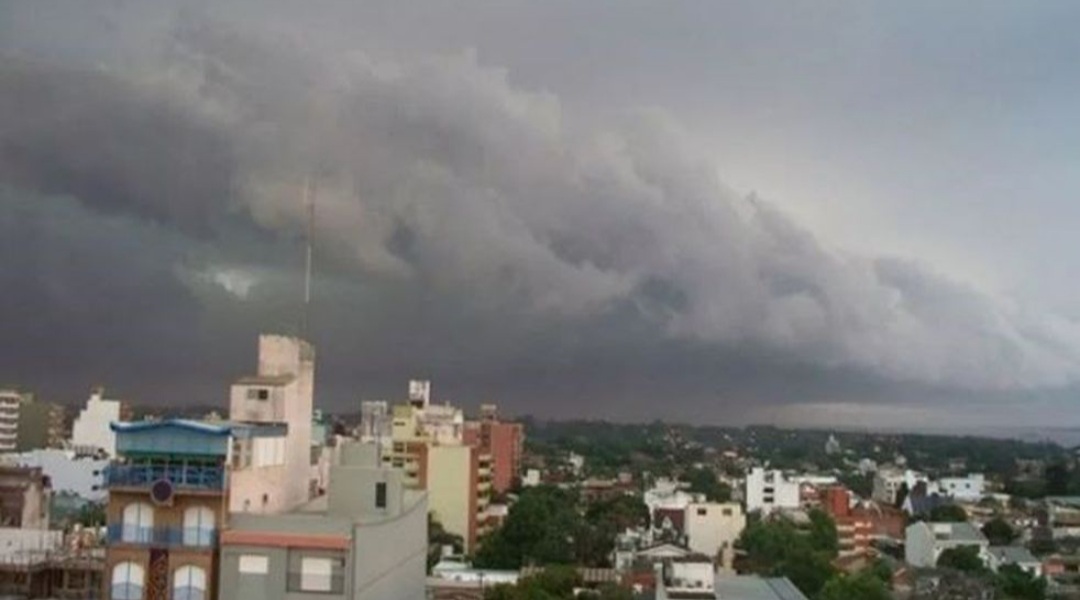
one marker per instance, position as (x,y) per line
(947,513)
(778,548)
(902,494)
(861,586)
(962,558)
(704,481)
(999,532)
(543,527)
(823,536)
(91,514)
(437,538)
(1056,477)
(1014,582)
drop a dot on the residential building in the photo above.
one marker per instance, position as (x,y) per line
(967,489)
(999,556)
(168,491)
(428,444)
(41,425)
(889,482)
(769,490)
(854,530)
(375,422)
(695,578)
(91,434)
(712,529)
(501,440)
(365,539)
(82,476)
(24,498)
(10,401)
(924,542)
(275,475)
(1063,516)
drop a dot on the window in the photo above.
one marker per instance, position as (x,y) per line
(702,512)
(189,583)
(127,582)
(254,564)
(726,512)
(258,394)
(316,571)
(198,526)
(380,494)
(137,525)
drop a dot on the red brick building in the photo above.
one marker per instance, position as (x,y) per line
(502,441)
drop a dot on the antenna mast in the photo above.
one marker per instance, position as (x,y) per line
(309,201)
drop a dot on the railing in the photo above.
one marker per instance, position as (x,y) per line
(200,477)
(201,537)
(125,591)
(325,584)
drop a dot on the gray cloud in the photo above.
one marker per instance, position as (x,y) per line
(477,230)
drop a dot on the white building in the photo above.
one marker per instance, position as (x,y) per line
(999,556)
(969,489)
(712,528)
(692,576)
(888,482)
(10,401)
(924,542)
(668,494)
(770,490)
(90,432)
(81,476)
(376,422)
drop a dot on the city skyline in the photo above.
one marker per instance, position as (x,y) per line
(851,215)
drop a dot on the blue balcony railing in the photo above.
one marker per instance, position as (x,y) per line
(196,537)
(199,477)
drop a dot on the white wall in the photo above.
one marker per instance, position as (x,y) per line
(90,431)
(712,526)
(770,490)
(969,488)
(81,476)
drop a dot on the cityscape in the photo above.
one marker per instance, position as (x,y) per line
(539,300)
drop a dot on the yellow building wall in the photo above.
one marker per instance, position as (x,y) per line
(450,488)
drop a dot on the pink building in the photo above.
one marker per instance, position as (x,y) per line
(502,441)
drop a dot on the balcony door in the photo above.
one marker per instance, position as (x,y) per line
(198,526)
(138,523)
(127,582)
(189,583)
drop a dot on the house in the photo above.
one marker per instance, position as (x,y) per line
(694,578)
(769,490)
(965,489)
(999,556)
(924,542)
(712,528)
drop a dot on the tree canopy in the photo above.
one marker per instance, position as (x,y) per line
(861,586)
(780,548)
(999,532)
(963,558)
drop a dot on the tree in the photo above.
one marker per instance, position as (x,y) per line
(902,494)
(553,583)
(861,586)
(947,513)
(999,532)
(823,536)
(778,548)
(704,481)
(962,558)
(1057,479)
(1014,582)
(437,538)
(91,514)
(543,527)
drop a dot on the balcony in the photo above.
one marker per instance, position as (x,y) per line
(183,477)
(173,537)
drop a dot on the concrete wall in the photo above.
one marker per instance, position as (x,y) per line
(390,558)
(711,527)
(90,431)
(450,489)
(769,490)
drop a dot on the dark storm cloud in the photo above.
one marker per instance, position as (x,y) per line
(469,229)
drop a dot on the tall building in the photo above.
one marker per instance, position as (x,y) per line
(41,425)
(281,392)
(168,492)
(375,422)
(10,401)
(90,431)
(769,490)
(502,441)
(428,444)
(366,539)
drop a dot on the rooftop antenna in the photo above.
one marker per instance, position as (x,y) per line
(309,202)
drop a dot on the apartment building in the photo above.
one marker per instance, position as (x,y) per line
(10,401)
(428,443)
(91,434)
(855,530)
(366,539)
(168,493)
(25,493)
(769,490)
(924,542)
(275,475)
(712,529)
(502,441)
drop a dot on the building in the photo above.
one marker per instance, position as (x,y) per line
(502,441)
(82,476)
(428,443)
(168,492)
(999,556)
(769,490)
(10,401)
(24,498)
(967,489)
(272,475)
(375,422)
(695,578)
(91,434)
(366,539)
(924,542)
(889,482)
(854,529)
(712,529)
(41,425)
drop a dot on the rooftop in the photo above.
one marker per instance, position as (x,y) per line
(269,380)
(957,532)
(1012,554)
(751,587)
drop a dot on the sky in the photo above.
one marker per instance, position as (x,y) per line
(837,213)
